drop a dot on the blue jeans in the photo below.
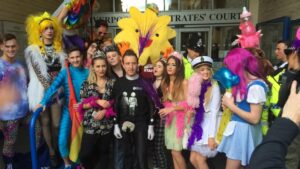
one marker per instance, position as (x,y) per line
(118,155)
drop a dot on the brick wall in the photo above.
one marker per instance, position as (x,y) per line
(18,10)
(271,9)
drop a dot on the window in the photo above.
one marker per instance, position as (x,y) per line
(273,31)
(165,5)
(124,5)
(159,3)
(229,3)
(103,6)
(294,26)
(171,5)
(195,4)
(222,37)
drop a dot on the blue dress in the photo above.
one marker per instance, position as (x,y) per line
(240,137)
(78,75)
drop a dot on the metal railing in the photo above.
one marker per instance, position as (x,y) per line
(34,158)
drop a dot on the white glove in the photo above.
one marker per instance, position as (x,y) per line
(117,132)
(150,132)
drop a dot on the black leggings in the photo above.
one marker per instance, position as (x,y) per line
(94,153)
(159,154)
(134,146)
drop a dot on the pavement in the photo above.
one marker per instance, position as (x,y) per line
(24,160)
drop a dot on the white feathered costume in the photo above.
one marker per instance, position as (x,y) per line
(35,58)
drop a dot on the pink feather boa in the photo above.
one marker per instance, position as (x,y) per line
(93,102)
(110,112)
(194,89)
(180,116)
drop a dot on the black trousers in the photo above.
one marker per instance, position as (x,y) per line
(94,153)
(134,147)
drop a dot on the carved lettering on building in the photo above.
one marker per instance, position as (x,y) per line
(183,17)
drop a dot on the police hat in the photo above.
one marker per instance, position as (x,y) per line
(195,42)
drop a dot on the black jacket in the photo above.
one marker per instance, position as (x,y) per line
(270,154)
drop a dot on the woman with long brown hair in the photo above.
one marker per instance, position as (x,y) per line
(159,155)
(174,89)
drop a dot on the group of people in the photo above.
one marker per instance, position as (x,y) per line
(179,106)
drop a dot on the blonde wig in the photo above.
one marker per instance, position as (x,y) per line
(36,24)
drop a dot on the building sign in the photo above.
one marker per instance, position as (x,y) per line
(199,17)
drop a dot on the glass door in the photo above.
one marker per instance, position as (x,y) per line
(185,33)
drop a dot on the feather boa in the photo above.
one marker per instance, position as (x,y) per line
(197,130)
(110,112)
(151,92)
(92,101)
(179,117)
(194,90)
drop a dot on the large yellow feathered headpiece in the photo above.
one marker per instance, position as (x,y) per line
(146,33)
(36,24)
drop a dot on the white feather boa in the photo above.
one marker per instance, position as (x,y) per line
(35,88)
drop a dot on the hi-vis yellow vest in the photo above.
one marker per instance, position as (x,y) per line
(188,69)
(265,115)
(274,80)
(271,102)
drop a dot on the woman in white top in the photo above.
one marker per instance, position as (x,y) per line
(207,103)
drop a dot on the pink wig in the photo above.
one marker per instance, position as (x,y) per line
(240,61)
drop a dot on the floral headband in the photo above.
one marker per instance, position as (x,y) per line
(177,55)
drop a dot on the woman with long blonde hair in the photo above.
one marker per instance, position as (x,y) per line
(96,108)
(205,97)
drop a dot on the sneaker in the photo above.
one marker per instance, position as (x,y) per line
(68,167)
(9,166)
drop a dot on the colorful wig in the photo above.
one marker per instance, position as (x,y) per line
(296,41)
(240,61)
(264,62)
(36,24)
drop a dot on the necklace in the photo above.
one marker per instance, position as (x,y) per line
(101,85)
(49,55)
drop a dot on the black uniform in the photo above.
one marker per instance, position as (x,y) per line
(132,104)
